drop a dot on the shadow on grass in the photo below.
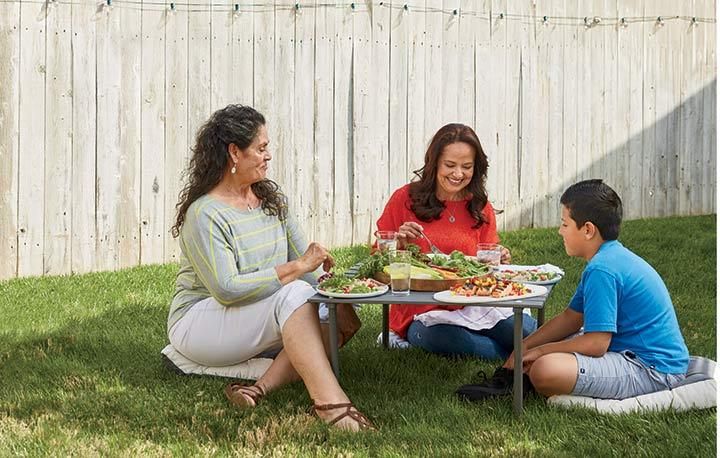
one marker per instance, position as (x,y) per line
(84,370)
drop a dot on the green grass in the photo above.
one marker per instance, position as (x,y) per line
(80,373)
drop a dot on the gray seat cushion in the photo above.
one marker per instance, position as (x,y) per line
(697,391)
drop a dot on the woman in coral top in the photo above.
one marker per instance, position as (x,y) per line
(449,203)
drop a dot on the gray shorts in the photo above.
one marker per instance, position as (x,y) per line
(619,376)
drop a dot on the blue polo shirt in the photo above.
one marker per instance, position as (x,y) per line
(621,293)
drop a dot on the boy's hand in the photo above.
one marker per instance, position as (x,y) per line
(530,356)
(510,362)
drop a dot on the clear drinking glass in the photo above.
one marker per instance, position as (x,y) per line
(399,271)
(386,240)
(489,253)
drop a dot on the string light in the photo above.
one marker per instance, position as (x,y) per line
(196,6)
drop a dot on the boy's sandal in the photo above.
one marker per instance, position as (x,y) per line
(350,411)
(238,394)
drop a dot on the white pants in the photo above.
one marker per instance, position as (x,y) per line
(212,334)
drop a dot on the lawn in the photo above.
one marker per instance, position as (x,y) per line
(81,374)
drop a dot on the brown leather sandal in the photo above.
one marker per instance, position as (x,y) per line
(350,411)
(238,394)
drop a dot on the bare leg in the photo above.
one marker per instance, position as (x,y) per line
(554,373)
(303,344)
(307,345)
(348,323)
(281,371)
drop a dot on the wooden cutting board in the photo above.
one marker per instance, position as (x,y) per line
(423,284)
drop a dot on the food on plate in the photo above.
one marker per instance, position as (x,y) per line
(531,275)
(344,285)
(488,285)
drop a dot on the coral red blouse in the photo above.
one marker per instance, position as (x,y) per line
(447,236)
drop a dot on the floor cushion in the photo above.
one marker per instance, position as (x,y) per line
(249,370)
(697,391)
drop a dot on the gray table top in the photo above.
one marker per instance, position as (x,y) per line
(419,297)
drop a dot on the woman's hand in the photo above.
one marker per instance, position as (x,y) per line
(408,231)
(505,257)
(314,256)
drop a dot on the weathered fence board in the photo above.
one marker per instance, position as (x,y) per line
(31,164)
(9,146)
(58,141)
(153,225)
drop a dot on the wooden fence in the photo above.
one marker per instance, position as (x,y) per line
(99,103)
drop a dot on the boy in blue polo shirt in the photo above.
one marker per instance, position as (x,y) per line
(631,344)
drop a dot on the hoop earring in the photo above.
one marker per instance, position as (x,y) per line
(233,169)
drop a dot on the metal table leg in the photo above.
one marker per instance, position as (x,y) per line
(517,372)
(334,359)
(541,317)
(386,325)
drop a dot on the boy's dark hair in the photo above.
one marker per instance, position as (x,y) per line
(596,202)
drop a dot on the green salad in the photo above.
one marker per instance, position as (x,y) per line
(344,285)
(455,262)
(463,266)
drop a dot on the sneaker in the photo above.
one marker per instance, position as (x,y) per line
(500,384)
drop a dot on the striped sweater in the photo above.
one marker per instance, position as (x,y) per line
(231,254)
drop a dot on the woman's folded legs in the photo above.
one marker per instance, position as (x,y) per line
(215,335)
(493,343)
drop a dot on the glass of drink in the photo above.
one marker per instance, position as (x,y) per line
(399,271)
(489,253)
(386,240)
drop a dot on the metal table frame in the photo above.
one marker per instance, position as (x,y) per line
(417,298)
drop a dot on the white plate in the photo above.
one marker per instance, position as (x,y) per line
(449,297)
(528,282)
(383,289)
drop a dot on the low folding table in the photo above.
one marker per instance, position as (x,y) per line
(417,298)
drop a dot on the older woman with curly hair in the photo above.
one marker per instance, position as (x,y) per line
(243,283)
